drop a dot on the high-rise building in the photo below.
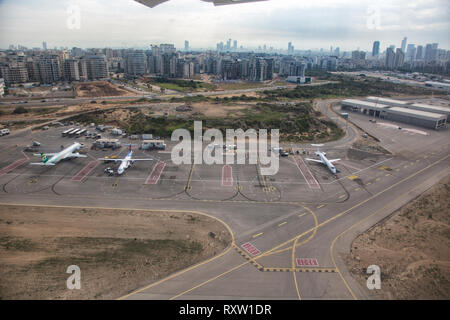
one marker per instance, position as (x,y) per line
(186,45)
(358,55)
(376,48)
(44,45)
(235,45)
(49,67)
(390,58)
(96,67)
(411,52)
(71,70)
(428,52)
(14,73)
(136,63)
(167,48)
(419,53)
(405,39)
(399,58)
(337,52)
(290,48)
(229,44)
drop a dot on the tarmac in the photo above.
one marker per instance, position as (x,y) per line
(290,230)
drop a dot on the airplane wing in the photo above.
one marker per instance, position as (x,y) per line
(107,159)
(47,154)
(151,3)
(75,155)
(224,2)
(318,161)
(42,164)
(334,160)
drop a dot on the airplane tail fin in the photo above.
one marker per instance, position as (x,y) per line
(44,158)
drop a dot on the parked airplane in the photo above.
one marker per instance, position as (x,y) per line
(126,162)
(323,159)
(154,3)
(50,159)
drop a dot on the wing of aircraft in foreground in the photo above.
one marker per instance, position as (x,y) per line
(154,3)
(151,3)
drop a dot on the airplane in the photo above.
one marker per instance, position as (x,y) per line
(324,160)
(154,3)
(126,162)
(51,159)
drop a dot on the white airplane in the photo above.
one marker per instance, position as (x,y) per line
(126,162)
(323,159)
(154,3)
(50,159)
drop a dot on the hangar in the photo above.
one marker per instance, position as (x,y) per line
(417,117)
(406,115)
(430,108)
(366,107)
(389,102)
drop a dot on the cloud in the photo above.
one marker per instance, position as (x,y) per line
(307,24)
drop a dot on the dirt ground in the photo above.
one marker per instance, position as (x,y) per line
(100,89)
(411,247)
(117,251)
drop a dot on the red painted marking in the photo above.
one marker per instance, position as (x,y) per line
(227,176)
(306,173)
(12,166)
(153,178)
(250,248)
(85,171)
(310,262)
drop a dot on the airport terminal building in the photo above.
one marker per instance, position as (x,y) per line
(400,111)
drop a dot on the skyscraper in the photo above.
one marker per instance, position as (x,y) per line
(376,48)
(390,58)
(419,53)
(186,45)
(405,39)
(399,58)
(235,45)
(136,63)
(411,52)
(44,45)
(290,48)
(428,52)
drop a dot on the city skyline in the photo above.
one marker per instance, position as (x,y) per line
(273,23)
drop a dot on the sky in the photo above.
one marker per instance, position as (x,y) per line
(347,24)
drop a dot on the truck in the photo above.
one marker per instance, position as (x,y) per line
(4,132)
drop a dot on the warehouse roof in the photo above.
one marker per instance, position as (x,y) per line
(431,108)
(417,113)
(366,104)
(387,101)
